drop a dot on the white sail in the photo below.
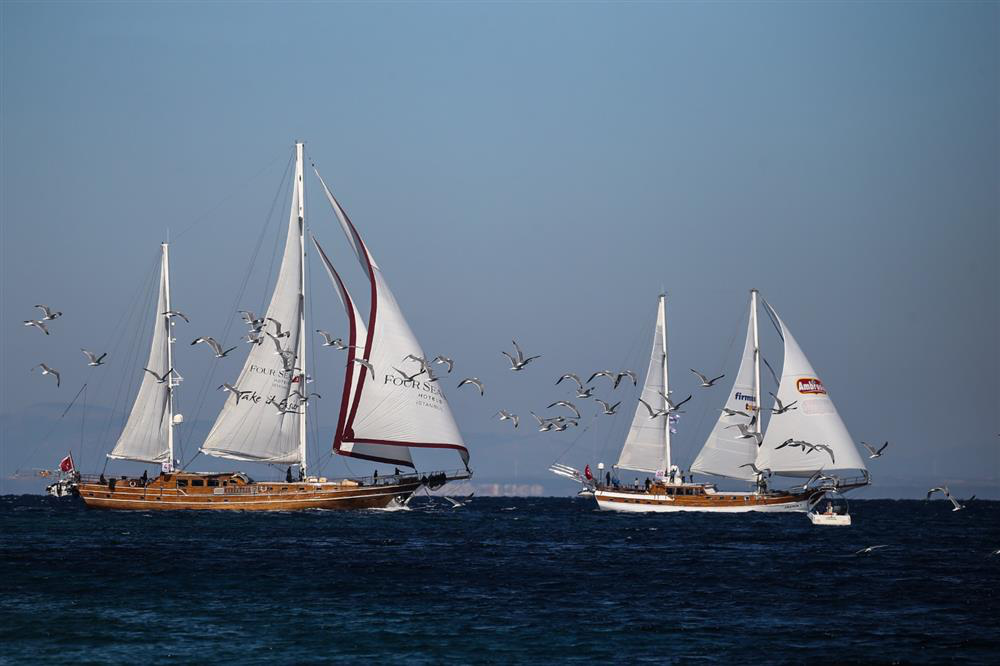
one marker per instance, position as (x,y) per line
(393,455)
(146,435)
(724,452)
(386,409)
(813,419)
(264,426)
(645,447)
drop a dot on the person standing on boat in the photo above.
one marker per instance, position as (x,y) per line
(288,474)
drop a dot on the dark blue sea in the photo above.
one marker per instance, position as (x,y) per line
(500,581)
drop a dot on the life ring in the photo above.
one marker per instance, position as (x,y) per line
(131,483)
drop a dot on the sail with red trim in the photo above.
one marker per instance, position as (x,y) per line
(386,409)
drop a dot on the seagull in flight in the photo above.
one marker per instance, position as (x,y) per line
(46,370)
(216,347)
(277,327)
(160,378)
(475,382)
(304,399)
(626,373)
(653,413)
(92,358)
(49,314)
(747,433)
(571,375)
(733,412)
(608,408)
(458,503)
(235,391)
(870,549)
(441,359)
(567,404)
(251,318)
(705,381)
(364,362)
(586,392)
(604,373)
(406,377)
(37,323)
(956,505)
(781,408)
(507,416)
(672,407)
(176,313)
(330,341)
(518,360)
(873,452)
(762,472)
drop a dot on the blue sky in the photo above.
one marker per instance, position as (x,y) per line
(538,171)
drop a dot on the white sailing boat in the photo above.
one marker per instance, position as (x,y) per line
(805,438)
(381,418)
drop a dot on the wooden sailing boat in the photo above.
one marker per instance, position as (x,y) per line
(733,452)
(380,419)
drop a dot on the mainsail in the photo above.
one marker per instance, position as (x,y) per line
(813,419)
(264,425)
(646,446)
(146,436)
(725,451)
(387,411)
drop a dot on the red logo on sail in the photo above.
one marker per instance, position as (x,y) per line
(810,385)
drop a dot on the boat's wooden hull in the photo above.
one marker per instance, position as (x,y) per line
(660,501)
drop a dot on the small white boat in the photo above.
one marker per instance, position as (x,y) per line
(829,519)
(834,514)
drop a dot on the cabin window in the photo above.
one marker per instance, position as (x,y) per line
(182,483)
(197,482)
(213,483)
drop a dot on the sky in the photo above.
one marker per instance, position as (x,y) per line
(531,171)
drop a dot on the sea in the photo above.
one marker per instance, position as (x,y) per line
(498,581)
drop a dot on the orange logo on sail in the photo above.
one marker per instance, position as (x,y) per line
(810,385)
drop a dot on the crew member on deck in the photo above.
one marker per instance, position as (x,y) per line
(288,474)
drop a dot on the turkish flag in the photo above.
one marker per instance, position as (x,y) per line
(66,464)
(586,473)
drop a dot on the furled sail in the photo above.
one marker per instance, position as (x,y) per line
(724,451)
(263,425)
(145,437)
(813,419)
(645,447)
(387,409)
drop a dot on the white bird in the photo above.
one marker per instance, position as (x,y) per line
(824,447)
(330,341)
(627,373)
(160,378)
(176,313)
(705,381)
(608,408)
(570,375)
(251,318)
(544,425)
(733,412)
(781,408)
(604,373)
(766,470)
(46,370)
(282,406)
(956,505)
(567,404)
(287,355)
(277,326)
(518,360)
(870,549)
(475,382)
(364,362)
(94,359)
(653,413)
(458,503)
(37,323)
(441,359)
(235,391)
(747,433)
(216,347)
(407,377)
(507,416)
(254,337)
(586,392)
(873,452)
(304,399)
(47,311)
(674,408)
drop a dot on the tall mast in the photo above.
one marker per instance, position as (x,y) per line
(756,361)
(170,357)
(662,315)
(301,356)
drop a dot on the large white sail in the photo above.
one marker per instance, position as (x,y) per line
(645,447)
(813,419)
(146,435)
(264,425)
(386,409)
(724,451)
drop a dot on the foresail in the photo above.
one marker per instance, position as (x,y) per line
(261,422)
(813,418)
(724,451)
(146,432)
(387,409)
(645,445)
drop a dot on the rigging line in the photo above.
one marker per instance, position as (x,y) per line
(773,316)
(83,422)
(228,197)
(51,428)
(777,382)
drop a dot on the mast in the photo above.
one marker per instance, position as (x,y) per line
(301,356)
(756,361)
(666,381)
(170,359)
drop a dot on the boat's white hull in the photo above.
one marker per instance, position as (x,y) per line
(649,503)
(835,520)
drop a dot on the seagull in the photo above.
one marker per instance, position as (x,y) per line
(46,370)
(282,406)
(216,347)
(160,378)
(475,382)
(567,404)
(627,373)
(49,314)
(251,318)
(407,377)
(544,425)
(603,373)
(585,392)
(733,412)
(747,433)
(507,416)
(364,362)
(441,359)
(608,408)
(875,453)
(176,313)
(330,341)
(94,359)
(571,375)
(304,399)
(457,503)
(670,403)
(956,506)
(235,391)
(759,472)
(254,337)
(277,326)
(37,323)
(870,549)
(653,414)
(782,408)
(518,361)
(824,447)
(705,381)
